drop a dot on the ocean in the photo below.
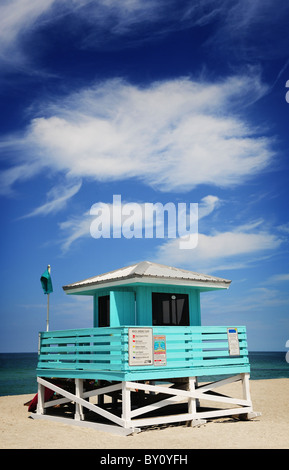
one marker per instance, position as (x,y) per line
(18,375)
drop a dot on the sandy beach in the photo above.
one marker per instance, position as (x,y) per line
(268,431)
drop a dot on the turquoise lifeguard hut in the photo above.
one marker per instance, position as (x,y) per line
(147,355)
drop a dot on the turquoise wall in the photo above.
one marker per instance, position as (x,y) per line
(133,305)
(122,308)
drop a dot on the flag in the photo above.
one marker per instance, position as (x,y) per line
(46,282)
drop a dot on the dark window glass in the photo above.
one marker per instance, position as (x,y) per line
(170,309)
(103,311)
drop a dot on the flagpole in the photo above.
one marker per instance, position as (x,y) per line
(47,321)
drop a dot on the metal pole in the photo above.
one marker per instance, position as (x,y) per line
(47,321)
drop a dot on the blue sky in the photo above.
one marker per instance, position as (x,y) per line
(157,101)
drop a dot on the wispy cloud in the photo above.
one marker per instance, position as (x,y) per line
(172,135)
(98,22)
(284,228)
(221,250)
(57,199)
(103,20)
(78,227)
(101,23)
(73,229)
(246,29)
(207,205)
(278,278)
(21,171)
(257,300)
(218,251)
(17,19)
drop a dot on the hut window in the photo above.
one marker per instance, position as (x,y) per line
(103,310)
(170,309)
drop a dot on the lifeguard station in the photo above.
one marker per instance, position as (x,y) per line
(147,356)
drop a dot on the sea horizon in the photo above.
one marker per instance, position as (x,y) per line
(18,370)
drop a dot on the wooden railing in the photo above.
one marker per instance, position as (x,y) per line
(103,353)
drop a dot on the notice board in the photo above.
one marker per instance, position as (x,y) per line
(160,350)
(140,346)
(233,341)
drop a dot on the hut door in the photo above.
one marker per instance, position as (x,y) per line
(104,310)
(170,309)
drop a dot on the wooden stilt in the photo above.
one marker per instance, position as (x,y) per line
(246,386)
(79,415)
(192,404)
(119,426)
(40,403)
(126,405)
(192,407)
(159,404)
(247,395)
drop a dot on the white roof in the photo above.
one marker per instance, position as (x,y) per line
(147,271)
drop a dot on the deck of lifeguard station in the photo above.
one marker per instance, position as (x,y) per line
(138,370)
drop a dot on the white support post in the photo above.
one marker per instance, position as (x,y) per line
(187,391)
(40,402)
(246,387)
(78,416)
(196,386)
(118,426)
(192,407)
(126,405)
(192,404)
(247,396)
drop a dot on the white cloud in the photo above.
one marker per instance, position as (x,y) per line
(255,301)
(207,205)
(284,228)
(219,251)
(75,228)
(79,227)
(251,30)
(101,222)
(173,135)
(216,252)
(100,23)
(233,249)
(57,197)
(20,172)
(17,17)
(103,20)
(278,278)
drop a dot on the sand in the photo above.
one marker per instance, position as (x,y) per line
(268,431)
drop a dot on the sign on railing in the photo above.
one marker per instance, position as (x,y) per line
(160,350)
(146,349)
(140,346)
(233,341)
